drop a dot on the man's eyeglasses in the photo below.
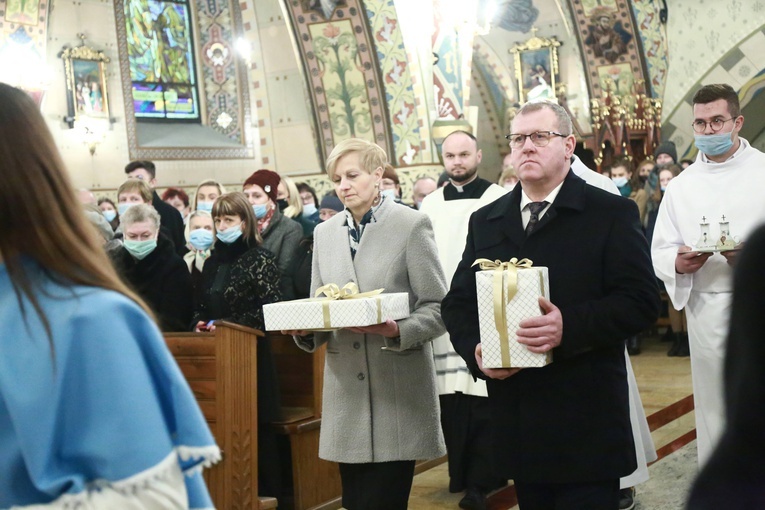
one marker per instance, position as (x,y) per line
(716,124)
(539,139)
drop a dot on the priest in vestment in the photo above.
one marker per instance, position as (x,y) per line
(726,184)
(464,406)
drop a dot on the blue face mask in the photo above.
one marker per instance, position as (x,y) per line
(230,235)
(201,239)
(714,145)
(309,209)
(205,206)
(140,249)
(619,181)
(124,206)
(110,215)
(390,194)
(260,210)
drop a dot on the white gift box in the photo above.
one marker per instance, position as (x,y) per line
(531,283)
(328,314)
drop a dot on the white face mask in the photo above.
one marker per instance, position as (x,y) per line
(509,186)
(309,209)
(389,193)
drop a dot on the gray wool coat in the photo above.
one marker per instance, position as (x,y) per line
(380,400)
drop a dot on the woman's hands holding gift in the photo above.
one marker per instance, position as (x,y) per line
(543,333)
(388,329)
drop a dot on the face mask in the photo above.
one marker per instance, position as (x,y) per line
(140,249)
(205,206)
(509,186)
(619,181)
(124,206)
(282,203)
(309,209)
(419,204)
(260,210)
(389,193)
(714,145)
(230,235)
(201,239)
(110,215)
(663,188)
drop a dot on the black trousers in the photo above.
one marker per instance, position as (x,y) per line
(377,486)
(602,495)
(465,420)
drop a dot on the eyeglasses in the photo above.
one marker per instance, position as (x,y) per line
(716,124)
(539,139)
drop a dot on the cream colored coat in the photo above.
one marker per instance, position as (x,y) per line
(380,399)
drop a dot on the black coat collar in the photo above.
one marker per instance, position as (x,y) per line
(505,213)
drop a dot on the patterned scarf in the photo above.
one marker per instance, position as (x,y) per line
(355,232)
(196,258)
(265,221)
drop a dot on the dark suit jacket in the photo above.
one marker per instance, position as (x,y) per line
(568,421)
(172,220)
(734,477)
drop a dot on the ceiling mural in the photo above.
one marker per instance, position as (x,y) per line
(344,82)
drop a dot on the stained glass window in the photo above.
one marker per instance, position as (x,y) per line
(161,55)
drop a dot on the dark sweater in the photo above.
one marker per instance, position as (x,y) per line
(162,280)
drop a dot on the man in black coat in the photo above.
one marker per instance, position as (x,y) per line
(561,432)
(171,219)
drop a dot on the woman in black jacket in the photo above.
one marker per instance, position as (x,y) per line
(237,280)
(148,263)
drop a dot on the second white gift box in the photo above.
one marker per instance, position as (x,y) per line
(508,293)
(338,308)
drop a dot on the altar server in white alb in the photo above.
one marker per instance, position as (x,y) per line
(464,406)
(725,185)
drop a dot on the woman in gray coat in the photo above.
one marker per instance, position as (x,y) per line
(380,400)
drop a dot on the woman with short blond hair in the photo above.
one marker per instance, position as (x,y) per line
(380,402)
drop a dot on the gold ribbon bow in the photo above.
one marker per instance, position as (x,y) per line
(503,291)
(332,292)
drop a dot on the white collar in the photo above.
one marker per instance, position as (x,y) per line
(550,198)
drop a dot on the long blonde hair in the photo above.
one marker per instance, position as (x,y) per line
(40,217)
(294,202)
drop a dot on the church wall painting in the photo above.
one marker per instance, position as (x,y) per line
(25,12)
(616,79)
(343,77)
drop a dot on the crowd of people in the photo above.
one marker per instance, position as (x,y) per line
(571,435)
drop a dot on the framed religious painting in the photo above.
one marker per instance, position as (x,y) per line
(85,72)
(536,68)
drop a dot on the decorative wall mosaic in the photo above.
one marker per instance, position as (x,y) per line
(654,44)
(344,81)
(700,34)
(217,30)
(607,35)
(397,81)
(449,73)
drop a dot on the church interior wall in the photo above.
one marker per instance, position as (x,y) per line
(283,126)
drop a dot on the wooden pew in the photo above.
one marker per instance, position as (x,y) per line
(316,482)
(221,369)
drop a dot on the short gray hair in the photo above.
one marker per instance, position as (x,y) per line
(97,219)
(138,213)
(564,121)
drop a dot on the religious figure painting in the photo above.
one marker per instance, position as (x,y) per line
(25,12)
(85,82)
(537,81)
(607,38)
